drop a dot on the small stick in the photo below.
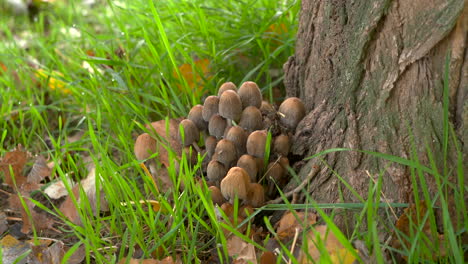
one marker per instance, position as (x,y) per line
(312,173)
(296,234)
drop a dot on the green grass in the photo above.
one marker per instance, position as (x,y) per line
(143,83)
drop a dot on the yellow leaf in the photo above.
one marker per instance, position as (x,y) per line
(52,81)
(194,76)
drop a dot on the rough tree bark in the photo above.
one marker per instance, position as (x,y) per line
(368,71)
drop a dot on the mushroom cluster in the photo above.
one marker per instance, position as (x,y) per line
(246,141)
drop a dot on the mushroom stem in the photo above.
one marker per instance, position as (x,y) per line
(196,147)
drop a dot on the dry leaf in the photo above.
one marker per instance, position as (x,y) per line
(57,189)
(3,223)
(12,248)
(16,159)
(39,171)
(241,251)
(167,260)
(320,235)
(286,227)
(195,79)
(40,221)
(53,80)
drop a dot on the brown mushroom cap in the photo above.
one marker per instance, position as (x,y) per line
(256,195)
(196,115)
(210,107)
(256,143)
(236,183)
(145,146)
(216,195)
(225,152)
(238,136)
(281,145)
(227,86)
(249,164)
(250,95)
(210,145)
(215,171)
(191,133)
(217,126)
(230,105)
(275,175)
(291,112)
(251,119)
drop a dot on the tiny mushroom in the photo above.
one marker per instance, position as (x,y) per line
(217,126)
(281,145)
(190,132)
(291,112)
(230,106)
(251,119)
(238,136)
(196,116)
(249,164)
(274,175)
(235,184)
(256,143)
(227,86)
(225,152)
(210,107)
(191,154)
(256,196)
(215,171)
(145,146)
(216,195)
(210,145)
(250,95)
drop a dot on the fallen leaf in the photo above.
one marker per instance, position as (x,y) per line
(3,223)
(286,227)
(16,159)
(320,235)
(57,189)
(39,220)
(167,260)
(12,248)
(53,79)
(194,76)
(39,170)
(241,251)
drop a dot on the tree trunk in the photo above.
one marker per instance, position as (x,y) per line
(371,76)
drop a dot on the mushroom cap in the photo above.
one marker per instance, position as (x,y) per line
(249,164)
(215,171)
(210,145)
(196,115)
(191,154)
(191,133)
(144,146)
(225,152)
(227,86)
(250,95)
(256,195)
(256,143)
(210,107)
(281,145)
(230,105)
(291,112)
(238,136)
(217,126)
(251,119)
(236,183)
(216,195)
(275,175)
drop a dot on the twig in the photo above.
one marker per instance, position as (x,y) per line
(312,173)
(383,195)
(296,234)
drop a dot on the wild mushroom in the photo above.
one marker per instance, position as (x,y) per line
(227,86)
(274,175)
(210,107)
(235,184)
(230,106)
(281,145)
(225,152)
(145,146)
(256,143)
(251,119)
(190,132)
(191,154)
(216,195)
(196,115)
(217,126)
(250,95)
(249,164)
(291,112)
(210,145)
(238,136)
(215,171)
(256,196)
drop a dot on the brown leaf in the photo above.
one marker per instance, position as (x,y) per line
(320,235)
(169,139)
(241,251)
(167,260)
(43,254)
(41,221)
(16,159)
(12,248)
(3,223)
(39,171)
(286,227)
